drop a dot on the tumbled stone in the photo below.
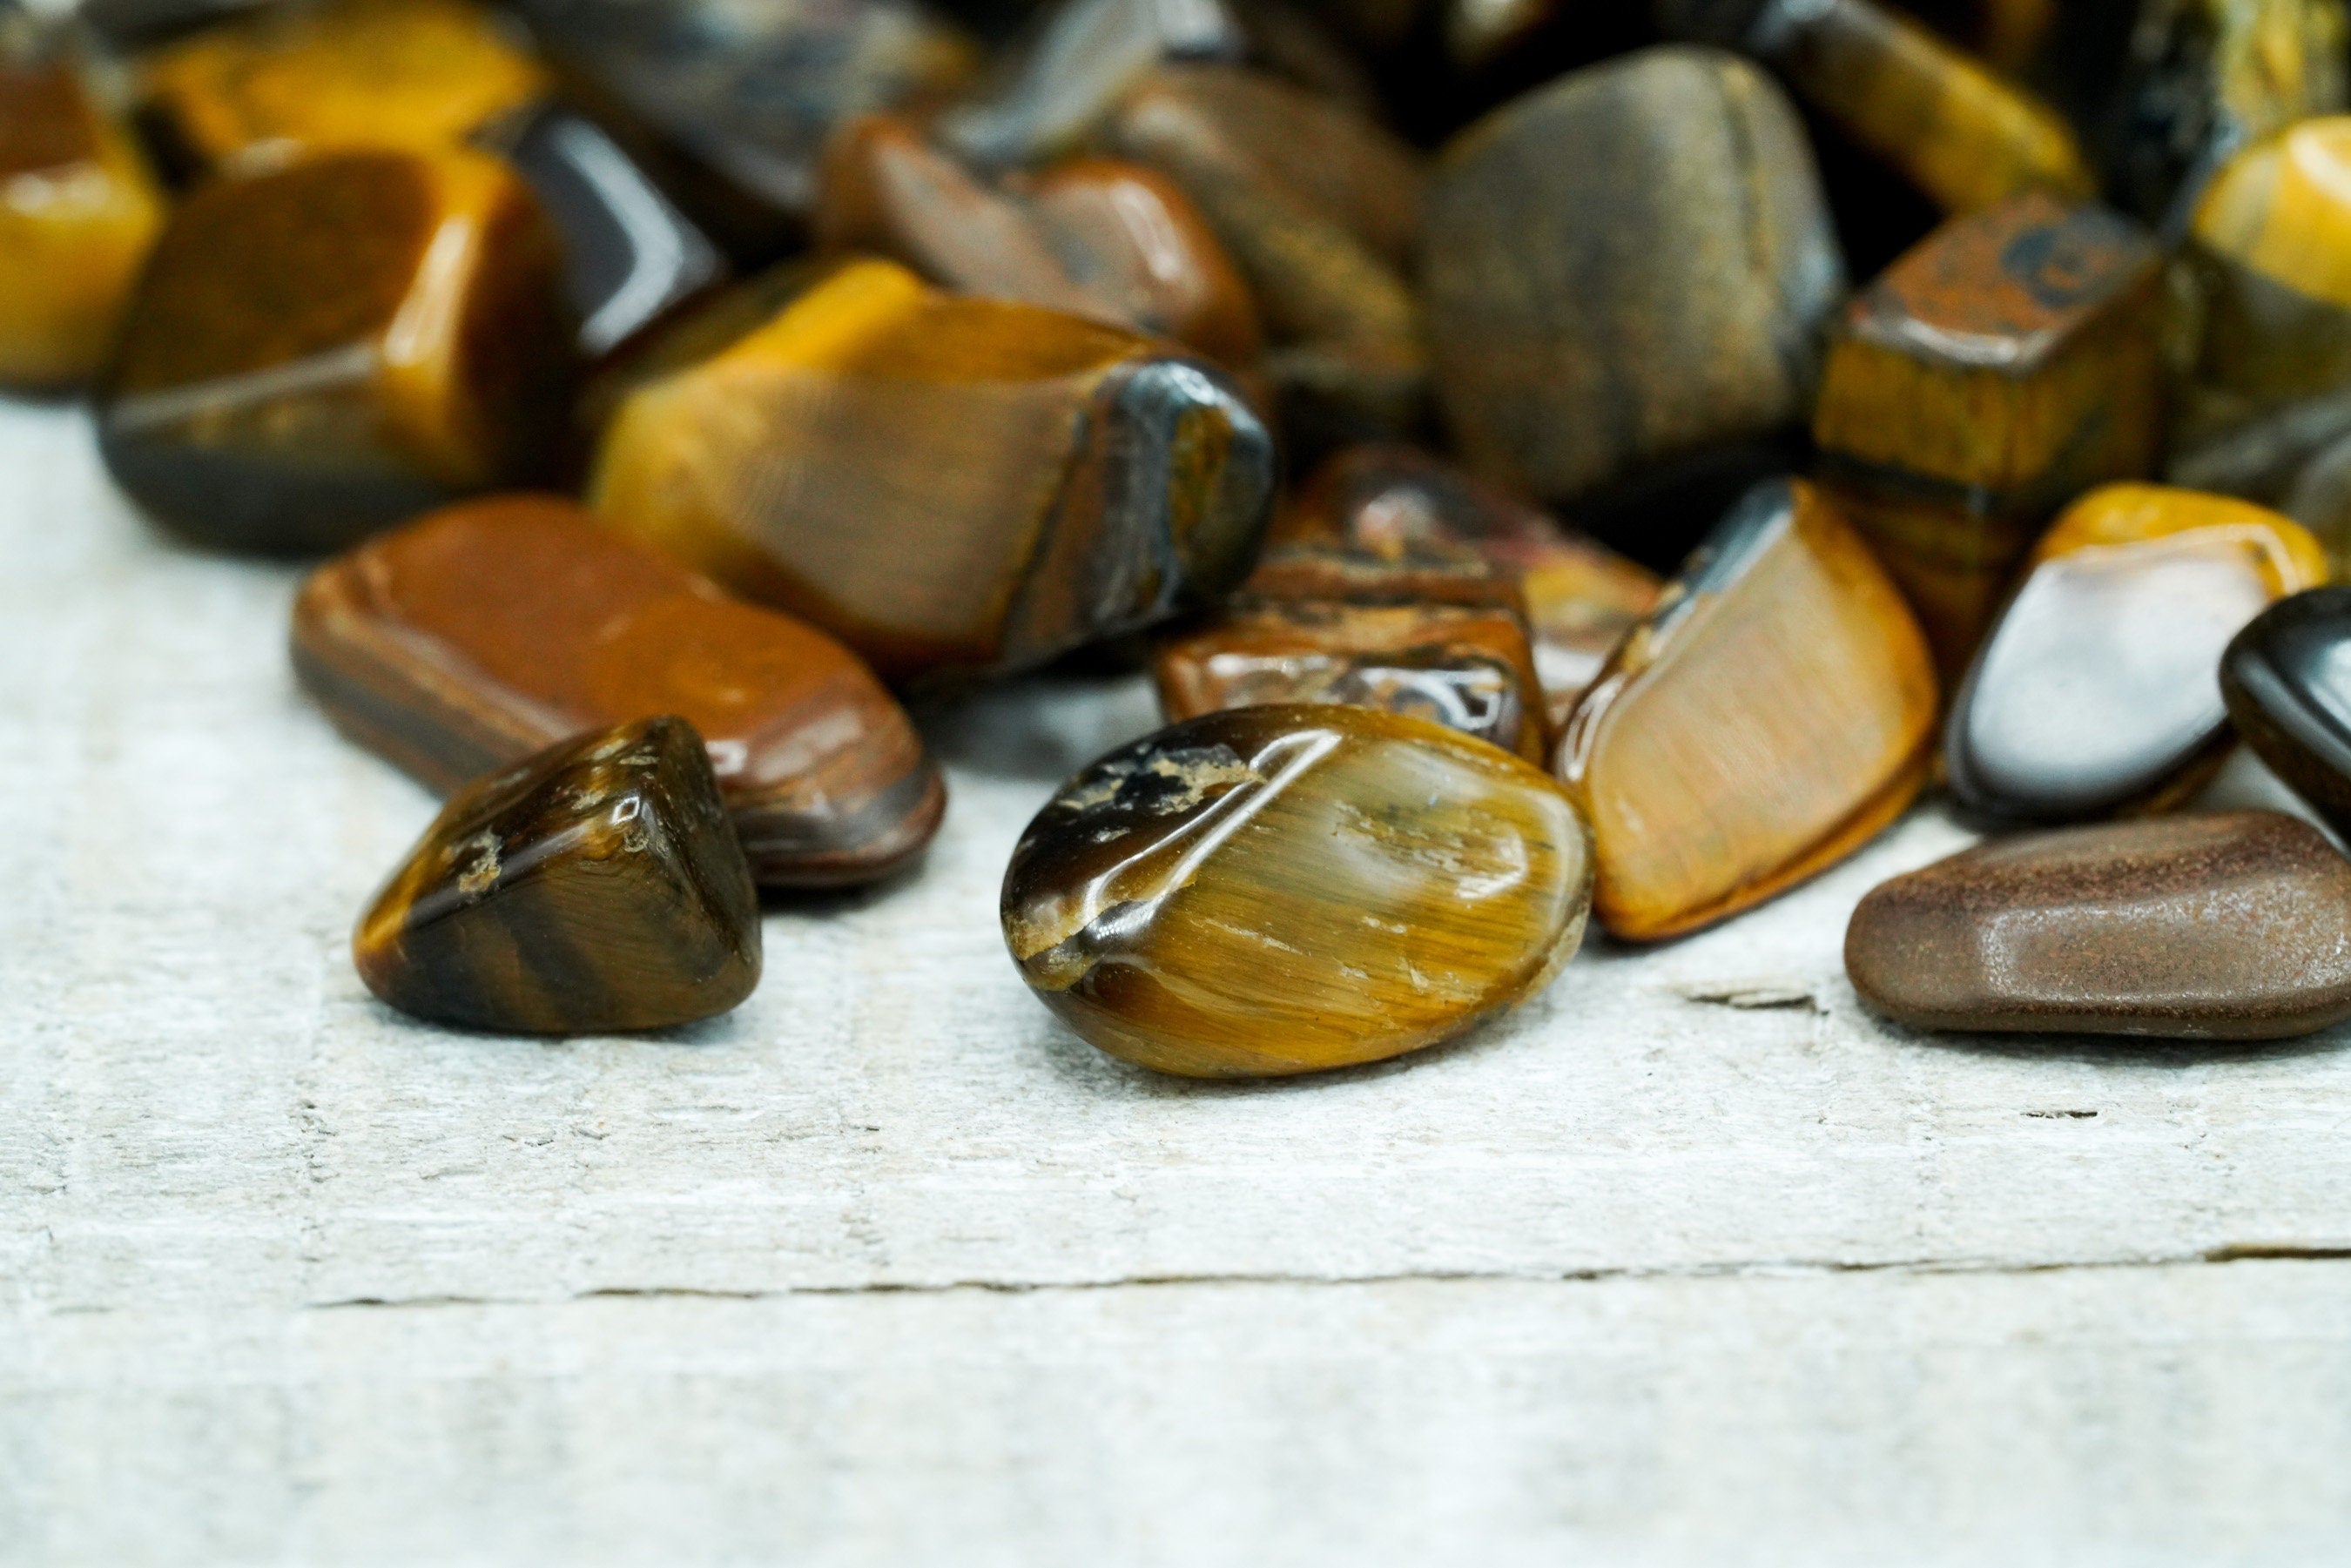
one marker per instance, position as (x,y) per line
(2286,679)
(319,351)
(952,487)
(422,75)
(1434,633)
(1281,890)
(1093,237)
(2095,692)
(594,887)
(1581,597)
(78,211)
(1769,717)
(2005,365)
(1960,133)
(484,633)
(1625,267)
(2231,926)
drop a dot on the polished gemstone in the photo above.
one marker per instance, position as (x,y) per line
(1432,631)
(2231,926)
(1281,890)
(2286,679)
(319,351)
(1092,236)
(1581,597)
(1774,712)
(2005,365)
(2096,692)
(1961,134)
(952,487)
(485,632)
(591,888)
(78,211)
(417,74)
(1625,267)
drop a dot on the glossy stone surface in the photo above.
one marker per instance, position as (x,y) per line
(731,104)
(416,74)
(2234,926)
(1282,890)
(595,887)
(1318,207)
(78,211)
(2096,692)
(1440,635)
(1626,267)
(2002,367)
(1581,597)
(1093,237)
(1774,712)
(1960,133)
(484,633)
(319,351)
(952,487)
(2286,679)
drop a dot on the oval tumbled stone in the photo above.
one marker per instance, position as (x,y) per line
(2287,682)
(1284,889)
(2231,926)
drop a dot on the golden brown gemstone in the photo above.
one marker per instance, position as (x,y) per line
(319,351)
(1094,237)
(1629,265)
(2096,692)
(485,632)
(417,74)
(78,211)
(1282,890)
(949,486)
(1953,128)
(2234,926)
(1581,597)
(1775,712)
(2005,365)
(591,888)
(1318,207)
(1429,631)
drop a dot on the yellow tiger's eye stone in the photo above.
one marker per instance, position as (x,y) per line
(421,74)
(2007,363)
(1774,712)
(77,212)
(948,485)
(1282,890)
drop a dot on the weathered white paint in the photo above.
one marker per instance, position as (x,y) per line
(1690,1260)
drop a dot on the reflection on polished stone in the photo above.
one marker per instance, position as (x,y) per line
(2286,679)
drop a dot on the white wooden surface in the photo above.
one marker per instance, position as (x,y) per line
(1691,1262)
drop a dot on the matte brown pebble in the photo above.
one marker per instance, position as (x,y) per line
(2235,926)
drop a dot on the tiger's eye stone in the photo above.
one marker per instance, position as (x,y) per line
(2002,367)
(416,74)
(316,352)
(484,633)
(1774,712)
(1318,207)
(1581,597)
(78,211)
(2095,692)
(593,888)
(1961,134)
(2286,679)
(1281,890)
(1626,268)
(2207,76)
(1147,255)
(1437,634)
(951,487)
(2231,926)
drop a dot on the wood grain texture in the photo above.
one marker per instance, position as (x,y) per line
(1747,1277)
